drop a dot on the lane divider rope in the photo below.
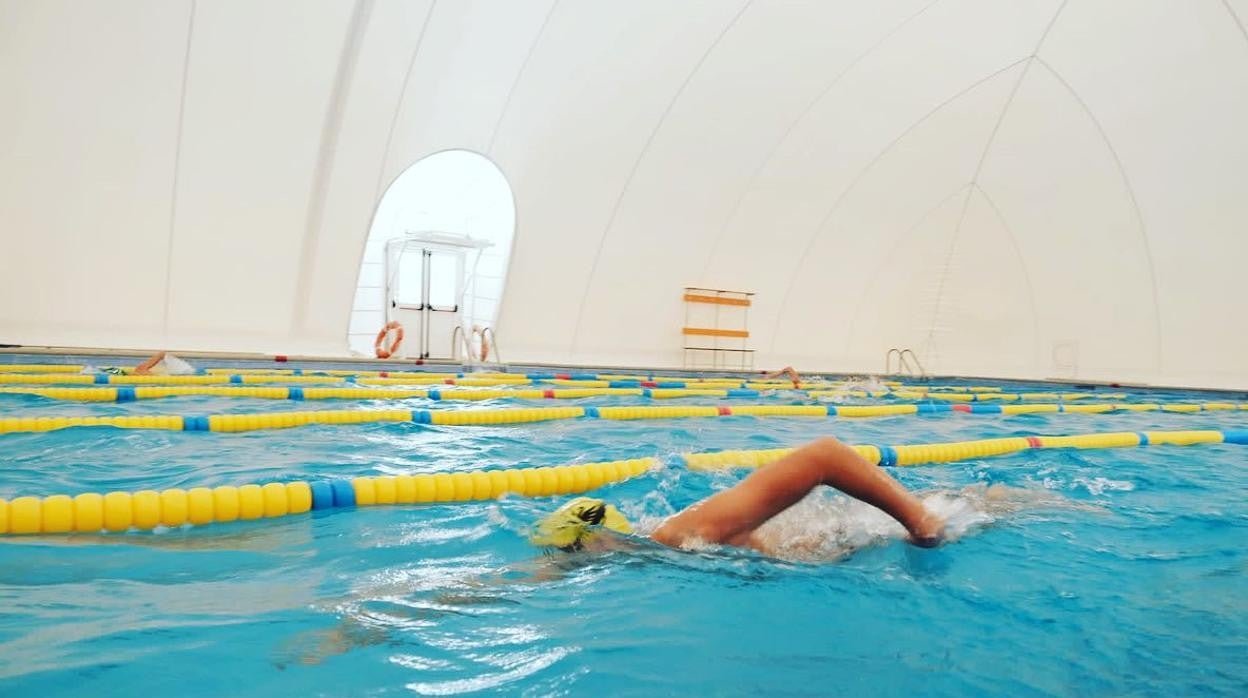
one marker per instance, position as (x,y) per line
(41,368)
(127,393)
(130,393)
(520,415)
(147,509)
(921,454)
(378,378)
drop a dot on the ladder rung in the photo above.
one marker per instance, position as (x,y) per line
(710,332)
(717,300)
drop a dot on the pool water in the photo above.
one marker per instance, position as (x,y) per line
(1128,578)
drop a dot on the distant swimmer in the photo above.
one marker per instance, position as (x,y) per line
(786,371)
(162,363)
(734,516)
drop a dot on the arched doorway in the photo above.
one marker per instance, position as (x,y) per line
(436,255)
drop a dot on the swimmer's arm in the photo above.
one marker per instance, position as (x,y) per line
(786,371)
(315,646)
(144,368)
(731,516)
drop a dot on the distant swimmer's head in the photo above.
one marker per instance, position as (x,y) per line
(570,525)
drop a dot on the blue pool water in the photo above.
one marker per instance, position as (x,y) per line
(1128,577)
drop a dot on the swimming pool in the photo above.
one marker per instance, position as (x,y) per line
(1129,578)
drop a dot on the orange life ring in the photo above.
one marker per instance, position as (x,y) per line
(385,352)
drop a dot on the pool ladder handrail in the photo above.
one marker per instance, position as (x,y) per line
(493,339)
(458,333)
(903,366)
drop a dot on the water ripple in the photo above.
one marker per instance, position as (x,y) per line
(1124,575)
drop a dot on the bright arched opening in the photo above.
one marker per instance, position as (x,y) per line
(436,256)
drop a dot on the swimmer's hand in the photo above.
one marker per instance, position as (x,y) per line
(929,532)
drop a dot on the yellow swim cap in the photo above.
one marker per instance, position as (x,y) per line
(569,525)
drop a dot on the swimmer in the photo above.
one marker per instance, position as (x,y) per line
(786,371)
(732,517)
(162,363)
(758,513)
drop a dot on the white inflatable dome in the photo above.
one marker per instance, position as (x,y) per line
(1054,188)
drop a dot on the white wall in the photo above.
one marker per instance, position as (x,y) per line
(1027,189)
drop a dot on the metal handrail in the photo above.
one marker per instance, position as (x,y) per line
(888,361)
(487,334)
(493,337)
(904,366)
(902,356)
(463,342)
